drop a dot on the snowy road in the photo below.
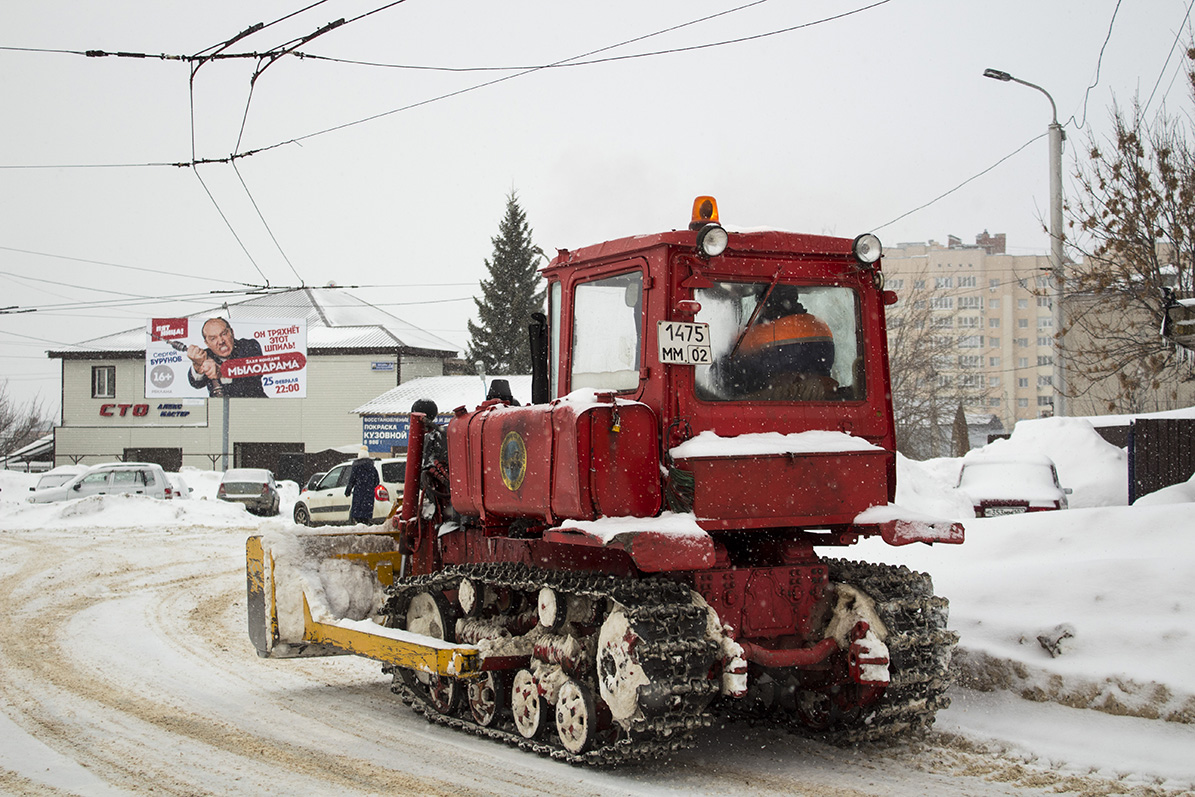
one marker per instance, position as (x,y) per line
(125,669)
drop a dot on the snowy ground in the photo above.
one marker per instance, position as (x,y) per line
(125,666)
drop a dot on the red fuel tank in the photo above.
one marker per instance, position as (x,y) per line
(576,460)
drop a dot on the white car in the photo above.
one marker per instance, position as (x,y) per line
(133,478)
(1010,484)
(58,476)
(325,502)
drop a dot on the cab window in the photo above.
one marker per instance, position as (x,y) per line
(781,343)
(608,333)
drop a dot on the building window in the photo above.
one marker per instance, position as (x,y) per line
(1045,301)
(1022,381)
(941,321)
(993,381)
(971,380)
(1045,381)
(1022,323)
(942,303)
(969,361)
(993,402)
(1046,360)
(896,285)
(943,282)
(103,381)
(1022,343)
(970,303)
(970,341)
(944,380)
(1045,341)
(966,282)
(1022,362)
(994,343)
(1022,304)
(993,323)
(919,304)
(993,362)
(919,284)
(1045,322)
(1042,282)
(993,285)
(1045,401)
(993,304)
(969,322)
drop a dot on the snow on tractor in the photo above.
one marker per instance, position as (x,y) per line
(597,575)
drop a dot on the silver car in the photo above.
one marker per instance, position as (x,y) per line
(131,478)
(253,487)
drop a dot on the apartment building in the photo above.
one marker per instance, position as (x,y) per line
(993,314)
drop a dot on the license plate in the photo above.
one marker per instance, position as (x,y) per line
(993,511)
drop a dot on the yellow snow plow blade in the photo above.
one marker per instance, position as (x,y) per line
(319,594)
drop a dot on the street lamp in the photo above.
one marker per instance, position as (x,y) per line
(1056,138)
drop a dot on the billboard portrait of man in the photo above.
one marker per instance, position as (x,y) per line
(223,345)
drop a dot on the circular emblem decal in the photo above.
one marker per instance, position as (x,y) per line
(162,376)
(513,460)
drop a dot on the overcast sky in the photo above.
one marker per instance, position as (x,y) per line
(396,178)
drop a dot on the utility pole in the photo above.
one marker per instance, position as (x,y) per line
(1056,272)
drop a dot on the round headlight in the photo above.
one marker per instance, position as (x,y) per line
(867,249)
(712,240)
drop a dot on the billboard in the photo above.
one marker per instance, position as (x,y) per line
(221,358)
(382,433)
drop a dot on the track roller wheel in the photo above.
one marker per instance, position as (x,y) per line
(428,614)
(528,706)
(551,608)
(487,697)
(576,717)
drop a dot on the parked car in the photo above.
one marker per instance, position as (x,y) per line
(133,478)
(181,490)
(1009,484)
(253,487)
(327,503)
(59,476)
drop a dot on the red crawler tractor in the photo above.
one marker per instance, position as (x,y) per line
(599,573)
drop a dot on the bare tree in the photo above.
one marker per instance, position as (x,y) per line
(20,424)
(1133,221)
(927,384)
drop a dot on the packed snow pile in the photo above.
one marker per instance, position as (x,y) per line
(1182,493)
(200,508)
(334,589)
(1095,469)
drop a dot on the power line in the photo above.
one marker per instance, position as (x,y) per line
(1169,55)
(1098,63)
(963,183)
(118,265)
(576,60)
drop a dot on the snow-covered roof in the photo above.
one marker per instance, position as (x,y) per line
(336,319)
(448,392)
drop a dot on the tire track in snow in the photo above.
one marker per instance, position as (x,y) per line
(100,720)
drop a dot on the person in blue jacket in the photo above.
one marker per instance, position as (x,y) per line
(363,481)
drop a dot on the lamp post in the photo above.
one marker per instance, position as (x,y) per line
(1056,138)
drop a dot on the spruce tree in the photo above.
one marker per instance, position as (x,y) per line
(508,298)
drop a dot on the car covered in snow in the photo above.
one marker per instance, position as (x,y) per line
(326,503)
(1005,483)
(58,476)
(253,487)
(113,478)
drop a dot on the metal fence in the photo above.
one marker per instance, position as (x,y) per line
(1161,453)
